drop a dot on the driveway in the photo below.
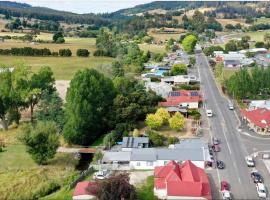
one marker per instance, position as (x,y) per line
(138,177)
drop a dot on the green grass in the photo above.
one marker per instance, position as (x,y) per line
(263,20)
(153,48)
(64,193)
(146,191)
(254,36)
(63,68)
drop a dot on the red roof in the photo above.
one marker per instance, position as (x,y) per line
(183,180)
(182,96)
(260,117)
(85,188)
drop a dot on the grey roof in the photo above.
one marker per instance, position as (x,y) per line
(176,109)
(116,156)
(147,154)
(232,62)
(133,142)
(193,143)
(153,154)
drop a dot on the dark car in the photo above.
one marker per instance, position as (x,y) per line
(216,148)
(220,164)
(256,177)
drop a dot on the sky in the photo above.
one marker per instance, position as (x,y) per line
(85,6)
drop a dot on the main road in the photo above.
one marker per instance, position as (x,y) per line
(224,125)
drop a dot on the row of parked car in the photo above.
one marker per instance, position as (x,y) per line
(256,177)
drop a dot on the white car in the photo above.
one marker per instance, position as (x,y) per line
(209,113)
(231,107)
(102,174)
(250,162)
(261,190)
(226,195)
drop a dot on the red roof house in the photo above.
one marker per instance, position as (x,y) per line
(85,190)
(182,98)
(181,180)
(258,120)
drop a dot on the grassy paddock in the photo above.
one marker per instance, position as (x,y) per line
(63,68)
(153,48)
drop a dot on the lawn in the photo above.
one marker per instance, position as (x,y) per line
(146,191)
(155,48)
(63,67)
(21,178)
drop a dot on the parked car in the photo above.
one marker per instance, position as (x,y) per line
(261,190)
(216,148)
(250,162)
(220,164)
(215,140)
(256,177)
(225,190)
(209,113)
(102,174)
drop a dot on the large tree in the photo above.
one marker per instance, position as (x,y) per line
(116,187)
(41,141)
(89,102)
(189,43)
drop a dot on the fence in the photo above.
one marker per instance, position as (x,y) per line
(82,176)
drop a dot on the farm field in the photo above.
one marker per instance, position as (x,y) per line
(63,67)
(255,36)
(224,22)
(155,48)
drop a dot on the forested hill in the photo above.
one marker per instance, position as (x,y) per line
(42,13)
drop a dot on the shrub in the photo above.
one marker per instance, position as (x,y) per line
(83,52)
(55,54)
(60,40)
(65,52)
(155,138)
(100,52)
(173,140)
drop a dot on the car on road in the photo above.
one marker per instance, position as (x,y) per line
(102,174)
(209,113)
(215,141)
(231,107)
(216,148)
(261,190)
(225,190)
(220,164)
(250,162)
(256,177)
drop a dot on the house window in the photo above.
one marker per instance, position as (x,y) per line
(138,164)
(150,163)
(165,162)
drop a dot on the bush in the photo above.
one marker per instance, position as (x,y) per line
(65,52)
(179,69)
(156,139)
(83,52)
(173,140)
(55,54)
(26,51)
(60,40)
(100,52)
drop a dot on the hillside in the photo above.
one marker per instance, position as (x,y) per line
(41,13)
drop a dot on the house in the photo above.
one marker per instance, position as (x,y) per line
(183,99)
(232,59)
(85,190)
(180,79)
(160,88)
(130,143)
(258,120)
(181,181)
(253,105)
(232,63)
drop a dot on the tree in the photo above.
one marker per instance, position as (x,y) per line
(177,122)
(97,157)
(58,38)
(154,121)
(259,44)
(192,61)
(89,102)
(189,43)
(83,52)
(50,108)
(231,46)
(198,21)
(41,141)
(116,187)
(209,51)
(40,82)
(179,69)
(109,139)
(266,37)
(156,139)
(65,52)
(163,114)
(117,69)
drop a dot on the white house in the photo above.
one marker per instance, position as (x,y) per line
(180,79)
(253,105)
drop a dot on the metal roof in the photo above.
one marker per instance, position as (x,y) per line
(134,142)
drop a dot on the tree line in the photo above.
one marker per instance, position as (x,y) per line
(29,51)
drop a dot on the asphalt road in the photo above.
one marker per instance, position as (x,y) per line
(224,125)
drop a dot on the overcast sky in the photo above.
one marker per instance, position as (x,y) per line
(85,6)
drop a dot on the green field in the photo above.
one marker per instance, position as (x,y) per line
(63,68)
